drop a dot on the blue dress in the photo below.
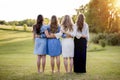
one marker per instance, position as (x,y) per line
(40,47)
(54,45)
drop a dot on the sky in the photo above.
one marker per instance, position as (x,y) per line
(11,10)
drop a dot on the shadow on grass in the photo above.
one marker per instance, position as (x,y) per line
(55,76)
(16,46)
(96,50)
(9,39)
(14,30)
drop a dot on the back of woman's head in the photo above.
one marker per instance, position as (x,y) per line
(39,19)
(80,22)
(39,23)
(67,23)
(53,24)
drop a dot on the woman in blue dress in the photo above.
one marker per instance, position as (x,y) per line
(54,45)
(40,46)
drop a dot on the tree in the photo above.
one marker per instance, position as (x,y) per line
(74,17)
(46,21)
(13,23)
(25,27)
(82,9)
(13,27)
(101,16)
(28,22)
(114,17)
(97,15)
(2,22)
(60,19)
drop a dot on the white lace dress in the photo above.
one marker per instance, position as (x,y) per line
(67,44)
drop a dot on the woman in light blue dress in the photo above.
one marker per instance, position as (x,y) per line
(40,46)
(54,45)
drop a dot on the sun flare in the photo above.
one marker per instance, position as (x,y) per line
(117,4)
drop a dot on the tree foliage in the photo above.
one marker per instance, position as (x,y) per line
(25,27)
(102,16)
(2,22)
(28,22)
(74,17)
(46,21)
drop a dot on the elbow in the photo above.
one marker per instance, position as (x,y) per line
(47,36)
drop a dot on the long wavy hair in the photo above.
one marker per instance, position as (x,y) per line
(80,22)
(39,23)
(53,24)
(67,23)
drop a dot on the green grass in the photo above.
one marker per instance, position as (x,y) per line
(17,61)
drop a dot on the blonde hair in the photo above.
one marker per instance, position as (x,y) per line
(67,23)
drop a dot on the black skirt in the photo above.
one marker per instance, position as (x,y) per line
(80,55)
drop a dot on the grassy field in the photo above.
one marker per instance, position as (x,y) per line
(17,61)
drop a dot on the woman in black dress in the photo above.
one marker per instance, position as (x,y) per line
(80,41)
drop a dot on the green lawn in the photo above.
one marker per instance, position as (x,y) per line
(17,61)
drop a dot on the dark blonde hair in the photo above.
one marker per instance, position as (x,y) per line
(67,23)
(54,24)
(80,22)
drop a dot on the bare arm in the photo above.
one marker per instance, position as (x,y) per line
(49,35)
(52,35)
(33,33)
(46,33)
(67,34)
(33,37)
(83,36)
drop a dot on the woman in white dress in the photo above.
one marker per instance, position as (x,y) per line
(67,33)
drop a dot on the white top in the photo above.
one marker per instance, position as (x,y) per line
(85,31)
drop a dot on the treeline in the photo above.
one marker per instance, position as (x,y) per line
(28,22)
